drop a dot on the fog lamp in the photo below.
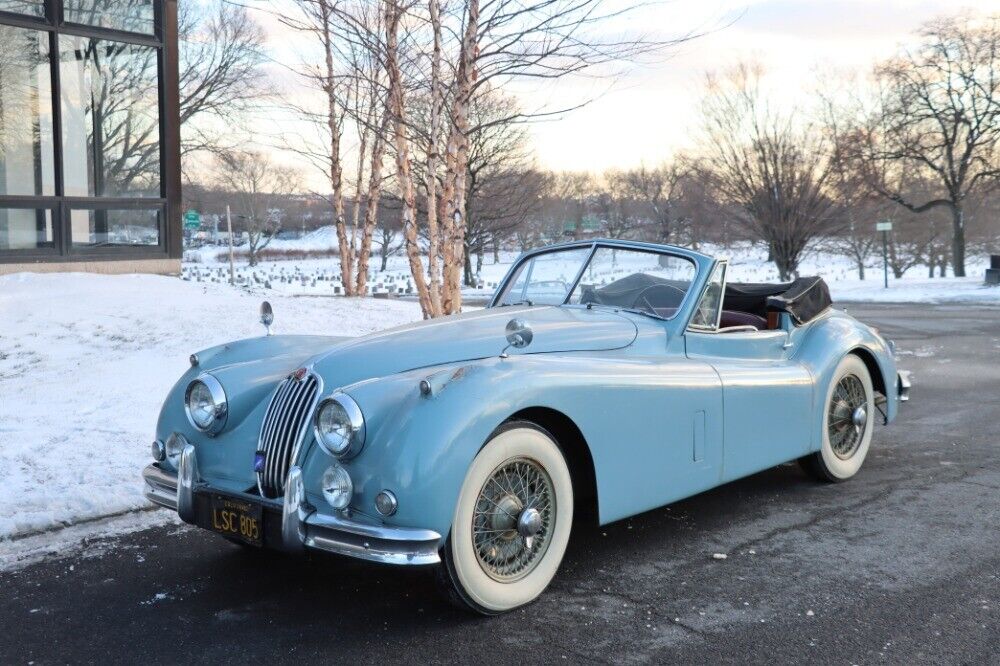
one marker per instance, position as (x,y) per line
(337,487)
(174,445)
(158,451)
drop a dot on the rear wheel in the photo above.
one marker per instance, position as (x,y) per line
(512,522)
(848,422)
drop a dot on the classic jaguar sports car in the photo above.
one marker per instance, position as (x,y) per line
(609,376)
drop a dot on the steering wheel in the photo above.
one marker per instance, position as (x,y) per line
(645,293)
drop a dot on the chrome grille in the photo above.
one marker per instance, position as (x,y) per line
(285,426)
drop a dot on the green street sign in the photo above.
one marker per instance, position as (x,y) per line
(192,219)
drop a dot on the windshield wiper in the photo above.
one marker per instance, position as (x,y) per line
(524,302)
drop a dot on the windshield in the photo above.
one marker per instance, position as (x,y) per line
(651,282)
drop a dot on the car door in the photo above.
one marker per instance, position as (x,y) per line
(766,393)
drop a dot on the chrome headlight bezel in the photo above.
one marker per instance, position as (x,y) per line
(219,400)
(355,441)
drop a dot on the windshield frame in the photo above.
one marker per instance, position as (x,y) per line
(699,261)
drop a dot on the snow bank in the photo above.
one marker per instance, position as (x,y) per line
(85,361)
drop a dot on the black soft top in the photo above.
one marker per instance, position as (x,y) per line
(803,298)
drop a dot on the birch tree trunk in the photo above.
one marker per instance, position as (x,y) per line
(457,163)
(430,180)
(403,172)
(336,167)
(371,205)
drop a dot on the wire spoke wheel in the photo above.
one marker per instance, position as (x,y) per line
(513,518)
(847,416)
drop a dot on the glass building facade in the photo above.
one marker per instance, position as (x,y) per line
(89,131)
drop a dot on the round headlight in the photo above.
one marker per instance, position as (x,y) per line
(337,487)
(173,447)
(205,404)
(340,426)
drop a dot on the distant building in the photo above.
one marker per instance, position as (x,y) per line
(89,136)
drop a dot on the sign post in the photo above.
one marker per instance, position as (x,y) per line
(885,226)
(229,228)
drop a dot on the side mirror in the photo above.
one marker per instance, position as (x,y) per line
(266,316)
(519,334)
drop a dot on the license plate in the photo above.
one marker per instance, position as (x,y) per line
(237,519)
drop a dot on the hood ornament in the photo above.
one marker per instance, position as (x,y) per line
(266,316)
(519,335)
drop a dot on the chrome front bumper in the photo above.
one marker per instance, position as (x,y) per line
(903,385)
(301,525)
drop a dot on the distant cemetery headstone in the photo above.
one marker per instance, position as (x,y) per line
(993,272)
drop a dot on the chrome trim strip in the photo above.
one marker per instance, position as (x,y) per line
(161,487)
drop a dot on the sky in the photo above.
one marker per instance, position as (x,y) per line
(653,112)
(649,111)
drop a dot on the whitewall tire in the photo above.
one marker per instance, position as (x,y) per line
(848,423)
(511,524)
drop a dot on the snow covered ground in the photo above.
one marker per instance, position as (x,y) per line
(85,361)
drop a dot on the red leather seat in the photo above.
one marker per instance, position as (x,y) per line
(734,318)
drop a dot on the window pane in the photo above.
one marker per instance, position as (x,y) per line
(115,228)
(25,113)
(128,15)
(707,314)
(32,7)
(25,229)
(547,278)
(646,281)
(110,118)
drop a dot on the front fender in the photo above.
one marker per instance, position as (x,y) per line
(417,446)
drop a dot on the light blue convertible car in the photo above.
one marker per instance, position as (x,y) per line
(608,376)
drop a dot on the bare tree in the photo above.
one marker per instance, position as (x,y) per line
(658,189)
(257,187)
(939,116)
(771,166)
(221,77)
(388,243)
(502,189)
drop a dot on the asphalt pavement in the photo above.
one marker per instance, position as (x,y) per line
(899,565)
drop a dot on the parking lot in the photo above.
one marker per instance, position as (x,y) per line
(899,565)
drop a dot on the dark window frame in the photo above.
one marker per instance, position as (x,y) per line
(164,40)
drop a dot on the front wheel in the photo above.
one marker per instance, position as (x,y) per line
(848,422)
(512,522)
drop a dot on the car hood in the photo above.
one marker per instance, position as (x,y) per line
(471,336)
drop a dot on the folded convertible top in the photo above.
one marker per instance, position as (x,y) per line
(803,299)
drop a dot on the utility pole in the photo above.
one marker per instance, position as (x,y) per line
(229,228)
(885,226)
